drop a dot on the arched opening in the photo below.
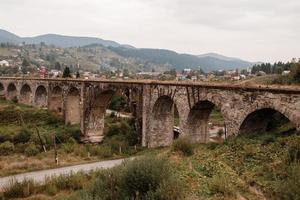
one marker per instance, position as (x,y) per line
(162,123)
(73,106)
(266,120)
(2,90)
(11,91)
(205,122)
(176,128)
(121,120)
(56,100)
(41,96)
(25,94)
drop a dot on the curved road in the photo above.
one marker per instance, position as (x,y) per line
(39,176)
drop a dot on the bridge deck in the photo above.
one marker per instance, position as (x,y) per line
(227,86)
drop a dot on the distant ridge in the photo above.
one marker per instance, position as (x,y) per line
(207,62)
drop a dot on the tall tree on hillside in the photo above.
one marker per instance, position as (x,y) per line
(295,72)
(67,73)
(25,65)
(57,66)
(77,74)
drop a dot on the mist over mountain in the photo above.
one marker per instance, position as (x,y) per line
(171,59)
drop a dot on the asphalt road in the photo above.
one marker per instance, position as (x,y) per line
(39,176)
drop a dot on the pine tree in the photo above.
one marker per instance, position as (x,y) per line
(77,74)
(67,72)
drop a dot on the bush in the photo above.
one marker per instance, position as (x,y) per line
(65,182)
(289,188)
(113,130)
(31,150)
(102,151)
(19,189)
(106,186)
(23,136)
(184,146)
(221,184)
(65,133)
(294,150)
(6,148)
(5,136)
(144,178)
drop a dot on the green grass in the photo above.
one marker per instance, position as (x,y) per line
(216,117)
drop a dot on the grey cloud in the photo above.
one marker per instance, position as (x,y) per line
(266,30)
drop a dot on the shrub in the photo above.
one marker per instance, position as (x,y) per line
(113,130)
(221,184)
(144,178)
(80,150)
(70,131)
(220,132)
(106,186)
(103,151)
(145,175)
(66,182)
(6,148)
(289,188)
(294,150)
(184,146)
(23,136)
(31,150)
(267,139)
(5,136)
(19,189)
(69,147)
(212,145)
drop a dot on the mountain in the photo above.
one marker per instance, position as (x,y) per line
(219,56)
(68,41)
(54,39)
(6,36)
(161,57)
(206,62)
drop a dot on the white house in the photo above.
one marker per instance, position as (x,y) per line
(4,63)
(286,72)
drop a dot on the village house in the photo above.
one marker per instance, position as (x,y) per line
(4,63)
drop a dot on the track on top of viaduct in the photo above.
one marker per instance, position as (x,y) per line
(153,104)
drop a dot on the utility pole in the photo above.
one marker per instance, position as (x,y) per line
(41,141)
(55,151)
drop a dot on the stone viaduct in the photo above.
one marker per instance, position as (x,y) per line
(153,104)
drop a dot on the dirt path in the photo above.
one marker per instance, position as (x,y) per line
(39,176)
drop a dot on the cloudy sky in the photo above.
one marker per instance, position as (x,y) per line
(256,30)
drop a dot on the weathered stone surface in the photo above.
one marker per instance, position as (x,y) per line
(153,104)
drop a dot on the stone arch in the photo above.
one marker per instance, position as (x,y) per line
(41,96)
(262,120)
(162,122)
(25,94)
(197,121)
(96,113)
(2,90)
(72,114)
(56,99)
(11,91)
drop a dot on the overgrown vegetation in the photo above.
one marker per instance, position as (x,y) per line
(184,146)
(25,132)
(278,68)
(149,177)
(144,178)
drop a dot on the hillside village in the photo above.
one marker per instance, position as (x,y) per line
(96,61)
